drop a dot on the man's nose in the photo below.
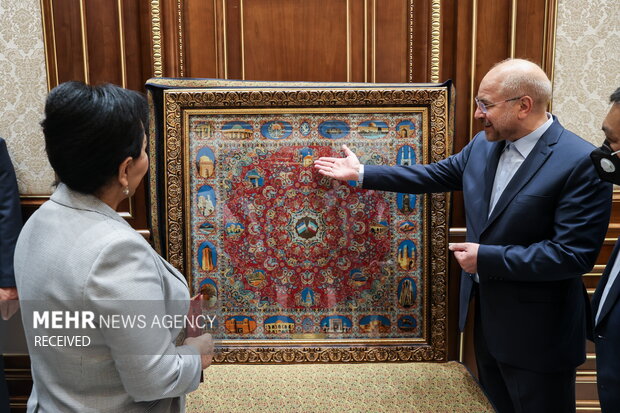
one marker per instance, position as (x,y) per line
(478,114)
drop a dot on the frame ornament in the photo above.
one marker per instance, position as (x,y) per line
(175,102)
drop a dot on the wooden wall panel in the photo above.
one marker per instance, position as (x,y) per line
(358,27)
(420,40)
(456,56)
(95,42)
(233,59)
(67,45)
(136,35)
(391,41)
(201,49)
(492,44)
(292,40)
(174,53)
(348,40)
(102,32)
(530,17)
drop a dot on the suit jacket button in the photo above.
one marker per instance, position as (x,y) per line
(600,337)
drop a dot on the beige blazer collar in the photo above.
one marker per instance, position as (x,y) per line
(65,196)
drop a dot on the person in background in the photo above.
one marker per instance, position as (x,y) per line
(10,225)
(76,254)
(606,298)
(536,216)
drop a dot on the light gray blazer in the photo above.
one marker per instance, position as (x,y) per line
(76,253)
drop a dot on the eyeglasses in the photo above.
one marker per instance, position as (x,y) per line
(484,107)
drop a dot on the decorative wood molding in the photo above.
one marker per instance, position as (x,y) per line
(374,41)
(472,78)
(242,36)
(410,39)
(348,24)
(121,37)
(84,42)
(176,102)
(225,40)
(156,39)
(435,40)
(365,40)
(226,355)
(180,38)
(49,43)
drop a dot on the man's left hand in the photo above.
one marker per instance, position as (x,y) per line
(466,253)
(8,302)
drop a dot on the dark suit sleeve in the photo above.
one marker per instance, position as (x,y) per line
(10,217)
(580,223)
(442,176)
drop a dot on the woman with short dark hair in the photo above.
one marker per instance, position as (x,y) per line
(77,256)
(89,132)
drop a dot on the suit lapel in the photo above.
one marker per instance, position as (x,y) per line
(527,170)
(614,292)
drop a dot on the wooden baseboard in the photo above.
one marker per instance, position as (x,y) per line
(18,380)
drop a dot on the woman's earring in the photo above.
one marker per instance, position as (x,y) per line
(126,191)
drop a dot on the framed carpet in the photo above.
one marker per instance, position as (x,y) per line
(292,266)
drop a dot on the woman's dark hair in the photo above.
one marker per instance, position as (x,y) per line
(615,97)
(90,130)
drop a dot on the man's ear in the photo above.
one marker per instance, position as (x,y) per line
(123,172)
(526,104)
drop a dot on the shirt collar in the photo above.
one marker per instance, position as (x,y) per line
(525,144)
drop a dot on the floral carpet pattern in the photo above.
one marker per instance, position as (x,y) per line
(314,388)
(287,252)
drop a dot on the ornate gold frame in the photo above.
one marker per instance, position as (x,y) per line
(437,101)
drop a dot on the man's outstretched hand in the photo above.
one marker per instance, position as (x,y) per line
(342,169)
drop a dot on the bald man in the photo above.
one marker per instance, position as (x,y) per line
(537,214)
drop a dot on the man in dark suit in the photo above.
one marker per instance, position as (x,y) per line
(536,215)
(606,299)
(10,225)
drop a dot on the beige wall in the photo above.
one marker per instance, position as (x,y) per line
(587,64)
(23,86)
